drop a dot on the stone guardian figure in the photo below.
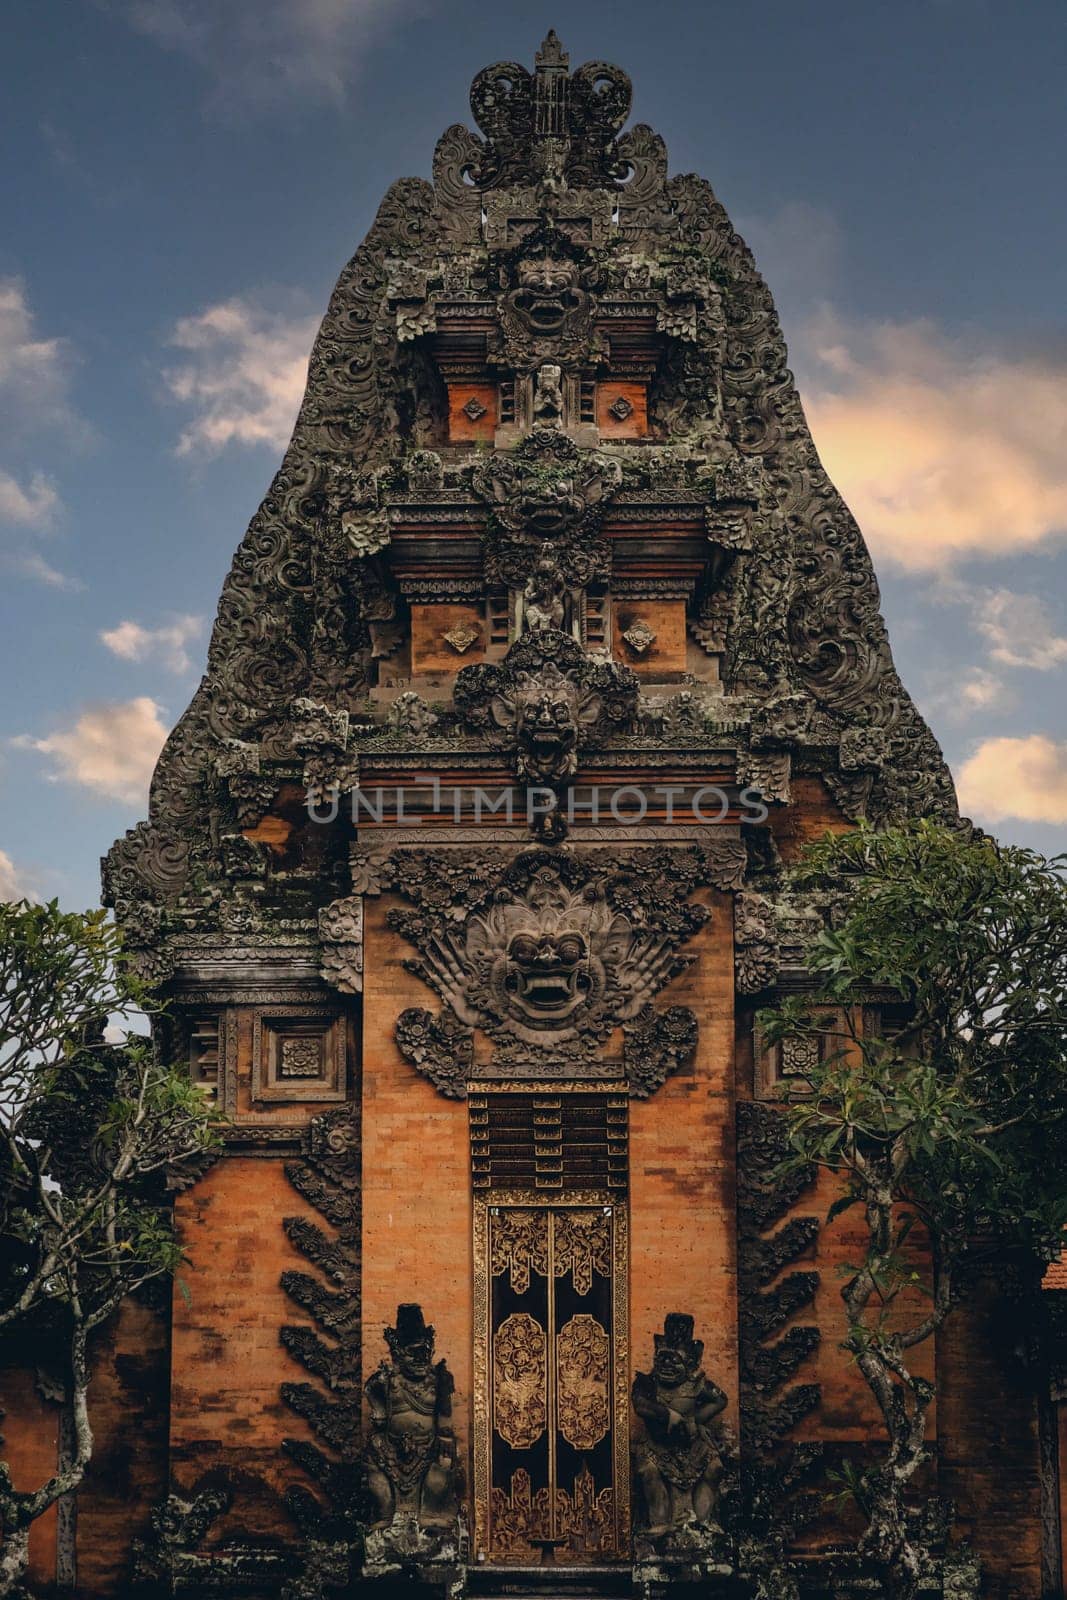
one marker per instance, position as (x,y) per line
(676,1451)
(410,1457)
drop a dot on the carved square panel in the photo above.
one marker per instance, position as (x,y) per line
(298,1053)
(472,412)
(622,410)
(778,1065)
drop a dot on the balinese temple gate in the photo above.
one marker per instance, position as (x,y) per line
(548,648)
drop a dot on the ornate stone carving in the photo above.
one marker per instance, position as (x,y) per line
(771,1405)
(321,735)
(678,1450)
(461,637)
(441,1047)
(341,937)
(767,771)
(410,714)
(546,698)
(640,637)
(548,396)
(238,764)
(543,602)
(755,943)
(549,952)
(550,125)
(546,490)
(327,1176)
(410,1458)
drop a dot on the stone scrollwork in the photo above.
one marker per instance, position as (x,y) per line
(341,941)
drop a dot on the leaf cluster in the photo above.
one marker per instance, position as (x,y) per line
(939,1019)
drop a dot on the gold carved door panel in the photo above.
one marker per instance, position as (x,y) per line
(551,1446)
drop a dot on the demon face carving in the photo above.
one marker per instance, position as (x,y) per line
(548,958)
(544,710)
(547,294)
(547,954)
(545,697)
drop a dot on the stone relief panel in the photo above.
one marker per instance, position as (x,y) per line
(298,1054)
(548,953)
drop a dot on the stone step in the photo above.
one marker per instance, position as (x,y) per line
(549,1583)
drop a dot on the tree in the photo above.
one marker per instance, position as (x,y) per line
(944,1104)
(89,1132)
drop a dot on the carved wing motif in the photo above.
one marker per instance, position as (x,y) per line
(583,1367)
(520,1380)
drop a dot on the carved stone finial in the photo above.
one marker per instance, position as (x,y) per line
(551,53)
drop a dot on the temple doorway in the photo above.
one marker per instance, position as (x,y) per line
(551,1433)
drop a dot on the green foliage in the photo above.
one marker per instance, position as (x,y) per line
(936,1032)
(88,1128)
(953,952)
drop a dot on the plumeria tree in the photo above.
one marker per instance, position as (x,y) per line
(941,1105)
(90,1130)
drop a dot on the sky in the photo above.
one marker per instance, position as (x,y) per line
(184,179)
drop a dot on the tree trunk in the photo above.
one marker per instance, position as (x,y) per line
(14,1559)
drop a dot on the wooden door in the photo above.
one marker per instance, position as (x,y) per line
(552,1481)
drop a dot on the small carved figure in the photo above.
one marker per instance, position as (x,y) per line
(411,1454)
(542,600)
(548,396)
(676,1454)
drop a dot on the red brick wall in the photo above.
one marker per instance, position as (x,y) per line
(31,1445)
(227,1358)
(127,1477)
(682,1172)
(416,1176)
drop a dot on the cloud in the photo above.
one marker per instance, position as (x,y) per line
(942,451)
(275,50)
(29,563)
(961,695)
(110,748)
(244,377)
(13,885)
(132,642)
(34,405)
(1023,778)
(34,372)
(1019,628)
(34,504)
